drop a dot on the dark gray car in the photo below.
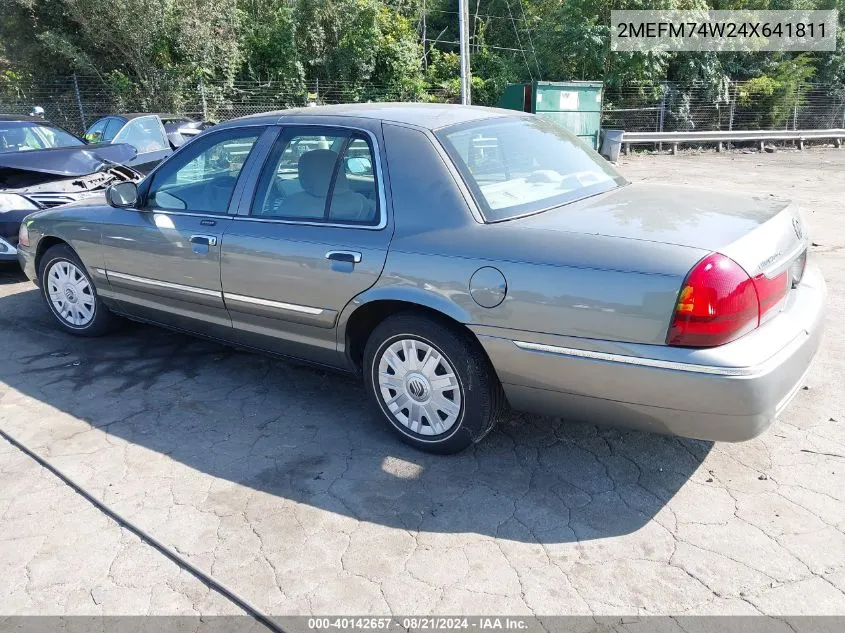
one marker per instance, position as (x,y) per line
(461,259)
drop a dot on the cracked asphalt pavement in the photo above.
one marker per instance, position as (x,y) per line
(278,481)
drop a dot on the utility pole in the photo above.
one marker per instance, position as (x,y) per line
(463,23)
(424,36)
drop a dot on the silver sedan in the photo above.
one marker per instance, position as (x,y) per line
(462,260)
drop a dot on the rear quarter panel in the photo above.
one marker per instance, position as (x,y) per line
(550,298)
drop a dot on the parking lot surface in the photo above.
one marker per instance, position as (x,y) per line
(278,480)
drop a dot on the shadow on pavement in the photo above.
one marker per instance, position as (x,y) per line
(11,273)
(310,436)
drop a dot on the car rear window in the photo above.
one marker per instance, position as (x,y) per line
(519,166)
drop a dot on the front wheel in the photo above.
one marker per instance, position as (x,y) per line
(432,383)
(70,294)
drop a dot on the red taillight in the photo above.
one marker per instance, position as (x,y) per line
(719,302)
(771,291)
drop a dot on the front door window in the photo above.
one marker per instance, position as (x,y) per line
(202,177)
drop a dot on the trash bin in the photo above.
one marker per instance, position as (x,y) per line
(575,105)
(611,143)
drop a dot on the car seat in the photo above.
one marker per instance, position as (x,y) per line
(315,170)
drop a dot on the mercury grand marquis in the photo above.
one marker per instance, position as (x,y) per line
(462,260)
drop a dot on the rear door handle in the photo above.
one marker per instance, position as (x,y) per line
(205,240)
(351,257)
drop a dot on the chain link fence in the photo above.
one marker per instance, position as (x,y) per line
(76,102)
(738,106)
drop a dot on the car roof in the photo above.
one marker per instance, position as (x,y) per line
(135,115)
(431,116)
(22,118)
(160,115)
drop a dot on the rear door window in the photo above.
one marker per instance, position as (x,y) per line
(321,178)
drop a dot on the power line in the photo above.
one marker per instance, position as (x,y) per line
(498,48)
(519,41)
(530,41)
(478,15)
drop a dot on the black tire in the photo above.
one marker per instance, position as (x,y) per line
(102,321)
(482,399)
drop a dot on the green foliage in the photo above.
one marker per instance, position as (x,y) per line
(780,91)
(270,54)
(11,84)
(443,74)
(378,54)
(491,73)
(153,54)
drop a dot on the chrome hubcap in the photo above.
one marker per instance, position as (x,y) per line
(70,294)
(419,387)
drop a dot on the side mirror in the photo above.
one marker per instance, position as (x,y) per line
(122,195)
(358,165)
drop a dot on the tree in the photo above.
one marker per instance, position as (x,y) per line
(153,54)
(777,93)
(151,48)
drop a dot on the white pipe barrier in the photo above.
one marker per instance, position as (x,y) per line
(721,137)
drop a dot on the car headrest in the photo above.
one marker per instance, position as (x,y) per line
(315,171)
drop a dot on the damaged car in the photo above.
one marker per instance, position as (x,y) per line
(181,129)
(43,166)
(154,136)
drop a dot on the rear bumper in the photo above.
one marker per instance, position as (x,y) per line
(730,393)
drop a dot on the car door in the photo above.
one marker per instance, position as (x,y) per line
(163,258)
(146,134)
(310,235)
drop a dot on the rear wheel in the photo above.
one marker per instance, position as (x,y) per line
(432,383)
(70,295)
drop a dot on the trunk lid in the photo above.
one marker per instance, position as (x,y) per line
(762,234)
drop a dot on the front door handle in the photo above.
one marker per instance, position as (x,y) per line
(351,257)
(205,240)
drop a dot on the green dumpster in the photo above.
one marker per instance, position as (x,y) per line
(576,105)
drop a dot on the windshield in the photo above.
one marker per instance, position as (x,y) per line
(22,136)
(518,166)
